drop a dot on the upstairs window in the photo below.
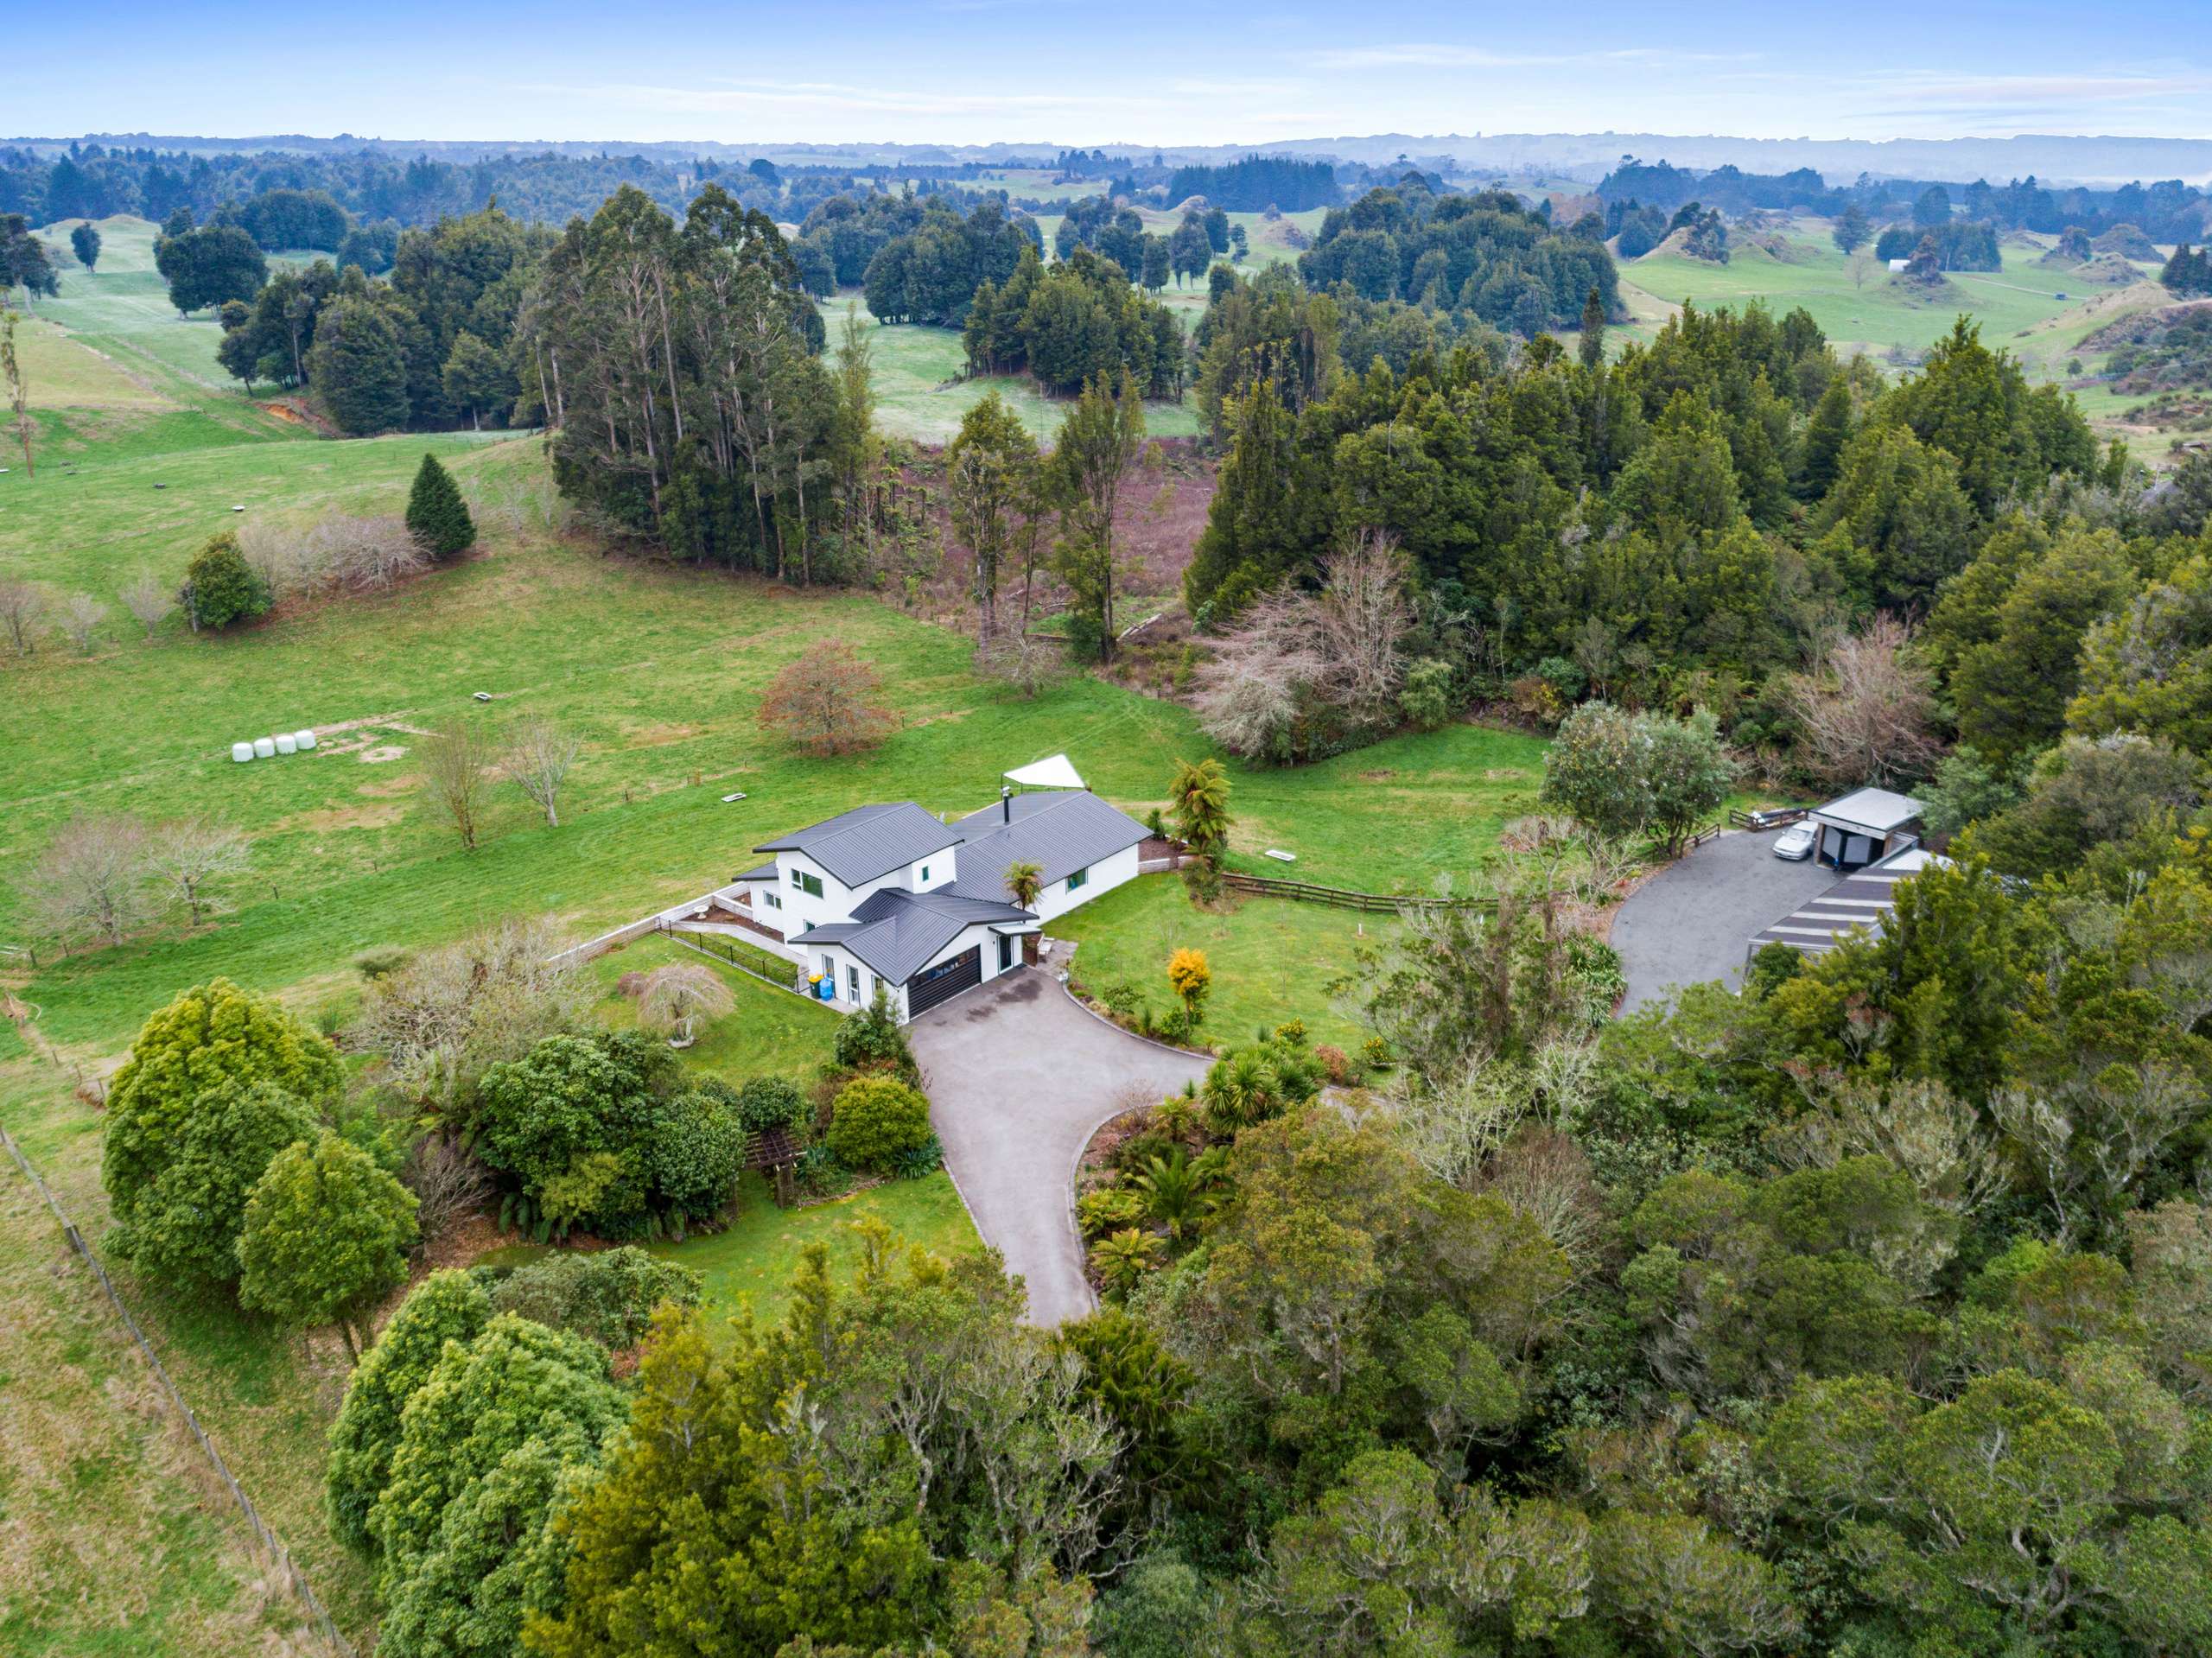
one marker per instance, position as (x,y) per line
(925,872)
(1078,879)
(810,885)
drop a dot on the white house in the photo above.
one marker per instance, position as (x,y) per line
(888,895)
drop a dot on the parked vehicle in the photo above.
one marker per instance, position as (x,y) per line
(1795,842)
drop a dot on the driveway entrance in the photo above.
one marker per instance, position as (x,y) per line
(1020,1075)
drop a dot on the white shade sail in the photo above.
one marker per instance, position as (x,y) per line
(1058,772)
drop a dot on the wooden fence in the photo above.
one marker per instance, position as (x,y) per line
(1779,817)
(289,1568)
(1343,897)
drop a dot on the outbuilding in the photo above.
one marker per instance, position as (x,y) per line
(1863,827)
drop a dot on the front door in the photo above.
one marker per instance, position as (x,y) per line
(1006,951)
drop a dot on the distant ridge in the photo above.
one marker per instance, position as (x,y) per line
(2056,158)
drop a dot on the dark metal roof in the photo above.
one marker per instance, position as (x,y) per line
(895,933)
(1060,832)
(766,872)
(859,845)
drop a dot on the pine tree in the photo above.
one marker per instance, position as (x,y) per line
(436,515)
(1593,344)
(1825,434)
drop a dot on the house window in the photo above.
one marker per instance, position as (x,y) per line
(810,885)
(775,900)
(852,978)
(925,872)
(1078,879)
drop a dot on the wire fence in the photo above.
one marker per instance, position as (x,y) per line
(278,1554)
(732,954)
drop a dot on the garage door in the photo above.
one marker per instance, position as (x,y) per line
(925,990)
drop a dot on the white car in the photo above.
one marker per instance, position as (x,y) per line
(1795,844)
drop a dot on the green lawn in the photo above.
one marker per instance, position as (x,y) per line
(918,395)
(770,1031)
(1271,958)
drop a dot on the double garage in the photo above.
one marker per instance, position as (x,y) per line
(946,980)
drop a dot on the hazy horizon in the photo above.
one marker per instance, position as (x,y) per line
(968,72)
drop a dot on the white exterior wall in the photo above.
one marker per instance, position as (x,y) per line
(1105,875)
(838,901)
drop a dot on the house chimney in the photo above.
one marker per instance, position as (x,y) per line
(1006,804)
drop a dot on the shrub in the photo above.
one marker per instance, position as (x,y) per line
(925,1159)
(1110,1208)
(1426,700)
(871,1039)
(877,1119)
(1375,1052)
(607,1295)
(1190,979)
(694,1154)
(223,587)
(770,1102)
(1120,1261)
(1335,1063)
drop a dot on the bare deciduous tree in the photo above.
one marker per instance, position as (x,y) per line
(459,762)
(364,555)
(677,996)
(192,855)
(281,557)
(538,757)
(1025,662)
(1338,651)
(1866,709)
(449,1185)
(22,611)
(825,704)
(149,599)
(440,1021)
(92,880)
(1360,621)
(81,614)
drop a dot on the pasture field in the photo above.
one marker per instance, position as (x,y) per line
(2019,307)
(659,671)
(919,396)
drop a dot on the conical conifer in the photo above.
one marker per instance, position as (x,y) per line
(436,515)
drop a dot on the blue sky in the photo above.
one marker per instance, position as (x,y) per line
(973,71)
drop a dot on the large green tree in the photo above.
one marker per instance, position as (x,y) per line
(326,1236)
(214,1037)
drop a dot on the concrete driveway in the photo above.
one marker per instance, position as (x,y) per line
(1691,922)
(1020,1075)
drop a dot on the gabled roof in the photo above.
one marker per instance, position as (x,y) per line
(766,872)
(1059,833)
(1873,811)
(859,845)
(895,931)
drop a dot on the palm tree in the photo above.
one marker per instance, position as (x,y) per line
(1176,1187)
(1025,881)
(1198,802)
(681,993)
(1122,1258)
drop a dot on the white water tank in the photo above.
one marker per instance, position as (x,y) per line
(304,739)
(265,748)
(286,744)
(241,751)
